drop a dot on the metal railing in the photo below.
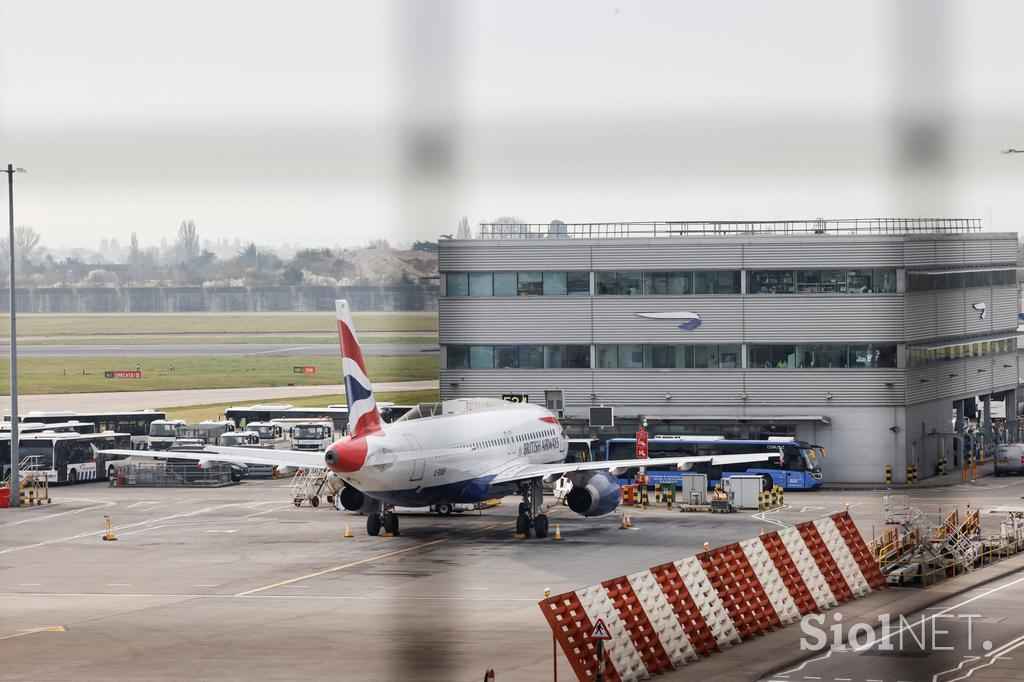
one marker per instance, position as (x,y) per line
(172,475)
(719,228)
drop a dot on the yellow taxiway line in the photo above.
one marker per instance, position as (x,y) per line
(342,567)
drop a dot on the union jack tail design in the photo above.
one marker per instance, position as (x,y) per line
(362,407)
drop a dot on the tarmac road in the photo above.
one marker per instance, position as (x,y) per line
(977,635)
(140,400)
(214,350)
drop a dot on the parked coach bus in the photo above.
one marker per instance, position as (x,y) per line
(135,424)
(66,457)
(798,469)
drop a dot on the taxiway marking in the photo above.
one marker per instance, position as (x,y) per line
(342,567)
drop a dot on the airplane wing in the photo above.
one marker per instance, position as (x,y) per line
(527,471)
(284,458)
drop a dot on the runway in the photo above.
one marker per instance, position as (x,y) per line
(214,350)
(140,400)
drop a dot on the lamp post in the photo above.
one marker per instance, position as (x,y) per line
(15,455)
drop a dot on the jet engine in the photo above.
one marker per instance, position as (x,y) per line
(594,496)
(353,500)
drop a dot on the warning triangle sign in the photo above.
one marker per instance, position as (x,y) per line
(600,630)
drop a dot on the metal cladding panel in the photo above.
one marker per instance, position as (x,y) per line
(958,378)
(647,387)
(1004,377)
(974,323)
(575,384)
(978,252)
(828,252)
(616,319)
(521,319)
(949,253)
(687,387)
(812,386)
(504,255)
(1003,250)
(845,317)
(678,254)
(1005,312)
(917,253)
(950,313)
(920,318)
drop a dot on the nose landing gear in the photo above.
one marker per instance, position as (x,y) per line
(381,517)
(530,514)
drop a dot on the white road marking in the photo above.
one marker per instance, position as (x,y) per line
(215,530)
(804,510)
(280,350)
(868,645)
(132,506)
(119,584)
(763,516)
(121,528)
(296,597)
(476,588)
(30,584)
(52,516)
(206,585)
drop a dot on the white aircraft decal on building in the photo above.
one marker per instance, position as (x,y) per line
(689,320)
(982,307)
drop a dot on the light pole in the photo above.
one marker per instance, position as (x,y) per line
(15,455)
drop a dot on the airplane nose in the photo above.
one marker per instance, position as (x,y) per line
(346,456)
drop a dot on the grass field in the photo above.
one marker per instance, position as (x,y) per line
(215,323)
(114,340)
(85,375)
(197,413)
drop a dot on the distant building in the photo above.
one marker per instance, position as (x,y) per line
(867,337)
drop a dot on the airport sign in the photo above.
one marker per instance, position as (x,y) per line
(304,369)
(123,374)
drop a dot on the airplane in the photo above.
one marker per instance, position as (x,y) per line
(463,450)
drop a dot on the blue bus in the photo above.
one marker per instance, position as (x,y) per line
(799,467)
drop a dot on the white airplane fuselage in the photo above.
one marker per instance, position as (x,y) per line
(450,457)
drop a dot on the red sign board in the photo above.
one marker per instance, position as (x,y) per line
(305,369)
(641,444)
(124,374)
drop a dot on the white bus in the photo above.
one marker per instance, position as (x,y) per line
(66,457)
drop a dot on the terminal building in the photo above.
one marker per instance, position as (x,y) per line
(876,339)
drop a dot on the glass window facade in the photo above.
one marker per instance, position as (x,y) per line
(667,356)
(667,283)
(525,356)
(956,351)
(518,284)
(820,355)
(917,281)
(831,281)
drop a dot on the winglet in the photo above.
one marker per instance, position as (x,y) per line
(362,406)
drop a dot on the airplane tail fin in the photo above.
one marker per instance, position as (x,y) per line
(363,417)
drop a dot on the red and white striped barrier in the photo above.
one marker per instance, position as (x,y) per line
(664,617)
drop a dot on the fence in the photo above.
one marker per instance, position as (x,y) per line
(664,617)
(173,475)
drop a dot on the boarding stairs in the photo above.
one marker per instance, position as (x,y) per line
(33,484)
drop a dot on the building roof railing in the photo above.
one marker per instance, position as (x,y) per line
(717,228)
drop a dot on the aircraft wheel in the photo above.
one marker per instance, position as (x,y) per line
(391,523)
(540,526)
(444,509)
(524,508)
(523,524)
(373,524)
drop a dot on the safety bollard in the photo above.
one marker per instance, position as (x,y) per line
(888,474)
(760,502)
(942,466)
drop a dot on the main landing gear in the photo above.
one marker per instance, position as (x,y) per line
(381,517)
(530,510)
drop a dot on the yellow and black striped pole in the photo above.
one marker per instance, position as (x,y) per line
(760,502)
(888,474)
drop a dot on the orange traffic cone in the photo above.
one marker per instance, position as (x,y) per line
(558,532)
(623,525)
(348,531)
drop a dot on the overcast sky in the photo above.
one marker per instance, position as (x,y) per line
(335,122)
